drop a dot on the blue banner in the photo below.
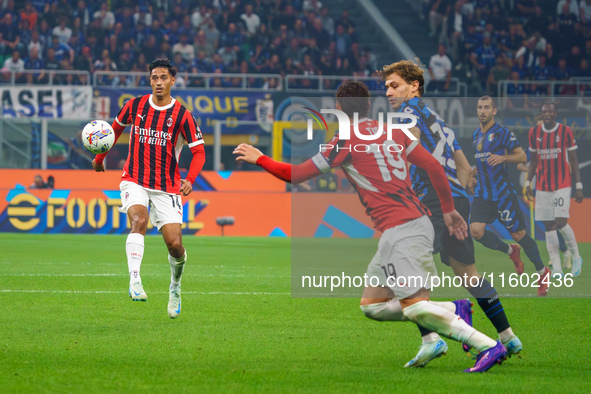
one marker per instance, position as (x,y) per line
(206,106)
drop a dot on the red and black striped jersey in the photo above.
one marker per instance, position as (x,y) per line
(378,170)
(552,146)
(154,143)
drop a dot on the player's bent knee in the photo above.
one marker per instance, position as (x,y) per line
(518,235)
(384,311)
(138,223)
(561,222)
(476,231)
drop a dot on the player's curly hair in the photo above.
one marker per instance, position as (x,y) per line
(162,62)
(353,96)
(408,70)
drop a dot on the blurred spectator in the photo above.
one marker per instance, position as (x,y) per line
(438,18)
(83,61)
(199,17)
(50,14)
(327,21)
(212,34)
(62,31)
(568,7)
(35,42)
(342,40)
(229,57)
(62,51)
(497,73)
(14,64)
(186,50)
(200,44)
(231,36)
(251,20)
(82,12)
(29,13)
(200,63)
(106,17)
(319,34)
(142,15)
(483,58)
(527,51)
(33,62)
(9,35)
(439,71)
(38,183)
(585,13)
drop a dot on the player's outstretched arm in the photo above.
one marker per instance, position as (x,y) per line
(284,171)
(97,163)
(454,222)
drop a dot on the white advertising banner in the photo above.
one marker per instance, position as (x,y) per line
(64,102)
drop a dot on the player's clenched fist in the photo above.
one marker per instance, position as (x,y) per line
(247,153)
(98,167)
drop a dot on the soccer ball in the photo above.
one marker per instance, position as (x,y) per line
(98,137)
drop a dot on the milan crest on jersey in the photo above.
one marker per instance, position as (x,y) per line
(126,195)
(169,122)
(557,139)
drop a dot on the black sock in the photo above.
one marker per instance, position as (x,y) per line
(489,301)
(563,247)
(530,247)
(424,331)
(491,241)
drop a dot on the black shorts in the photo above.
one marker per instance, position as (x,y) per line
(506,210)
(448,245)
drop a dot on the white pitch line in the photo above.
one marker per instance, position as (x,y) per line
(149,275)
(151,292)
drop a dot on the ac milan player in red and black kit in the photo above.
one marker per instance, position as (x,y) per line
(553,158)
(378,171)
(151,176)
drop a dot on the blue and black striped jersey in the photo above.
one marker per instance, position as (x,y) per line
(493,182)
(439,139)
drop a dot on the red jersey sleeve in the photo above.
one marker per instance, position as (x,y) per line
(570,142)
(191,131)
(288,172)
(124,117)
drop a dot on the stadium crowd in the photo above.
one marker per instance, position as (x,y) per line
(494,40)
(200,36)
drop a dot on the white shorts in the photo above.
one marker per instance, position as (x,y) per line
(552,205)
(164,207)
(404,260)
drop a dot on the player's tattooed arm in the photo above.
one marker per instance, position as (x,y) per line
(574,164)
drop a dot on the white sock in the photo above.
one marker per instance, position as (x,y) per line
(569,237)
(542,271)
(177,266)
(505,335)
(553,246)
(392,311)
(447,324)
(134,247)
(510,250)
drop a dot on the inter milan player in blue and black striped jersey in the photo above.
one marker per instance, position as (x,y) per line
(405,83)
(495,197)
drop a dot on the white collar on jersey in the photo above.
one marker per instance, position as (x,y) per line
(552,130)
(157,108)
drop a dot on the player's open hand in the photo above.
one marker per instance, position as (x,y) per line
(98,167)
(495,160)
(456,224)
(247,153)
(579,195)
(186,187)
(529,193)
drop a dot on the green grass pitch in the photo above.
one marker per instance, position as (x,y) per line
(68,325)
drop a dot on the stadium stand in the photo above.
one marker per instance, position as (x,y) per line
(275,37)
